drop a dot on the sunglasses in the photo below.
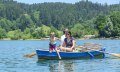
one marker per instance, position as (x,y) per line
(67,34)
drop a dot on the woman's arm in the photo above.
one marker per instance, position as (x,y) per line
(73,46)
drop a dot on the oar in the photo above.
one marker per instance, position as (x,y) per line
(30,55)
(113,54)
(58,54)
(33,54)
(91,55)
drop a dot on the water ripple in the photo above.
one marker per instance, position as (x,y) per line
(12,60)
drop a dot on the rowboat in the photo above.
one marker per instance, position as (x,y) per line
(45,54)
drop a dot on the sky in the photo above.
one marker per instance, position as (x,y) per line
(69,1)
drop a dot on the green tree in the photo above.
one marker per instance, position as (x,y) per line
(57,33)
(5,24)
(27,34)
(37,33)
(15,35)
(100,24)
(78,30)
(25,21)
(2,33)
(115,19)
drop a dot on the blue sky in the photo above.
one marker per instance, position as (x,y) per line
(68,1)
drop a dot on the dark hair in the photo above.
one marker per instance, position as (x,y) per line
(69,33)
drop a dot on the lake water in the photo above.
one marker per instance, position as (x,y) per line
(12,58)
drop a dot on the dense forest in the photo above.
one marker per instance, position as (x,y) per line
(27,21)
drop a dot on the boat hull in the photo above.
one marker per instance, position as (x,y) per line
(45,54)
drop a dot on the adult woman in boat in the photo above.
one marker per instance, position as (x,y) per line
(69,43)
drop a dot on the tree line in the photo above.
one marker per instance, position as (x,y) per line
(26,21)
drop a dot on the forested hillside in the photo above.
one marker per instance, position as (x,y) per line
(24,21)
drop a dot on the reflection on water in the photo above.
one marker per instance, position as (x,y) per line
(58,65)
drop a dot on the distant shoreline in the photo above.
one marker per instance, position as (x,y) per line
(59,39)
(24,39)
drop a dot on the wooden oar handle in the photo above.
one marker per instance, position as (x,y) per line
(30,55)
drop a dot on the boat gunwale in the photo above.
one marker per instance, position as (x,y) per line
(73,52)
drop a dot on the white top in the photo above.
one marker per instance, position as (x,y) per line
(62,39)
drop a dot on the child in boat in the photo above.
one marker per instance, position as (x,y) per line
(52,44)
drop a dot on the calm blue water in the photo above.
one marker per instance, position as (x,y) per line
(12,60)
